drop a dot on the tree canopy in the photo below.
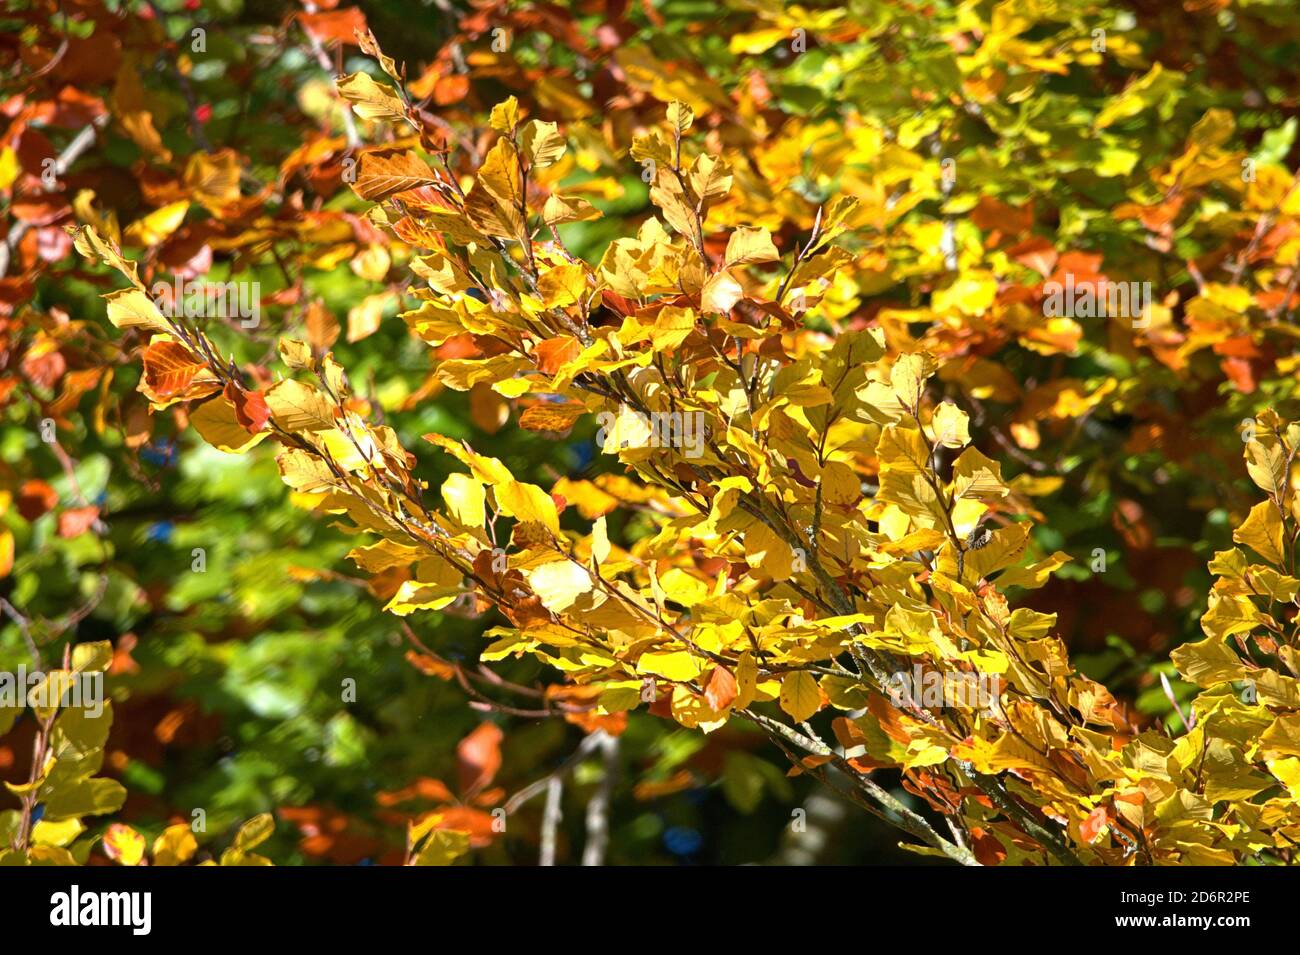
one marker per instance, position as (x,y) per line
(880,417)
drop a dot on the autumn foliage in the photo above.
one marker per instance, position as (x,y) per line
(795,286)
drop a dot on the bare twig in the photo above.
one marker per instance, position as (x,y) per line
(593,853)
(551,819)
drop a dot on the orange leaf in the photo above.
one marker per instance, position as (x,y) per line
(479,755)
(169,368)
(551,417)
(251,410)
(554,353)
(335,24)
(450,89)
(721,689)
(1092,827)
(385,172)
(430,666)
(487,409)
(322,327)
(77,520)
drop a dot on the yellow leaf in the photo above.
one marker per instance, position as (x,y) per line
(213,178)
(175,846)
(840,484)
(720,293)
(977,477)
(683,588)
(542,143)
(422,595)
(680,116)
(672,326)
(157,225)
(951,426)
(494,203)
(1262,532)
(666,193)
(299,407)
(560,209)
(1287,770)
(8,167)
(123,844)
(60,833)
(750,245)
(372,263)
(527,502)
(131,308)
(304,472)
(93,657)
(383,555)
(505,115)
(369,99)
(216,423)
(442,848)
(93,246)
(1282,738)
(746,680)
(758,41)
(559,583)
(254,832)
(799,695)
(295,353)
(908,378)
(365,316)
(1036,574)
(486,469)
(675,665)
(563,285)
(1207,661)
(1266,462)
(465,498)
(710,177)
(599,542)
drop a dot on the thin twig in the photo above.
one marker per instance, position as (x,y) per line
(593,852)
(551,819)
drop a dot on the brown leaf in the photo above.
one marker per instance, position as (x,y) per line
(479,757)
(430,666)
(551,417)
(487,409)
(35,498)
(169,368)
(322,327)
(385,172)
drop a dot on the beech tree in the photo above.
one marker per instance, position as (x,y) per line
(900,337)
